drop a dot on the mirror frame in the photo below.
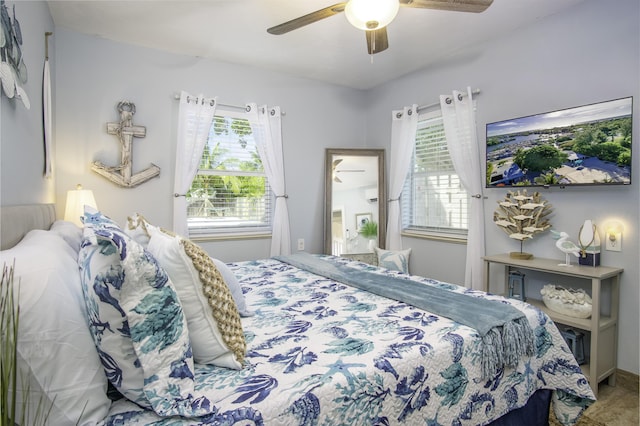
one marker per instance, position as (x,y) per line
(328,191)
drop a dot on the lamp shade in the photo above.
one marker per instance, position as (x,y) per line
(371,14)
(76,200)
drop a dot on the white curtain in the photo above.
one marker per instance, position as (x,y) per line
(459,118)
(194,122)
(403,137)
(266,124)
(46,117)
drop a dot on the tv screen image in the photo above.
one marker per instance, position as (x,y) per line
(585,145)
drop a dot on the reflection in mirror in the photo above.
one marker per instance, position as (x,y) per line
(355,210)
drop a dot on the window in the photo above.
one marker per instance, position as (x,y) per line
(230,193)
(434,202)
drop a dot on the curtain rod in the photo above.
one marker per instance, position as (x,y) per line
(421,107)
(245,108)
(242,107)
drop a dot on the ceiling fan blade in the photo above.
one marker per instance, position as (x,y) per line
(307,19)
(474,6)
(377,40)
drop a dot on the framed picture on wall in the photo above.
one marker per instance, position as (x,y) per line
(361,219)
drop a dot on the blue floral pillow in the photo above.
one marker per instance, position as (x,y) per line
(136,321)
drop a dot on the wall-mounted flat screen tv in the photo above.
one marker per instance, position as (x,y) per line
(585,145)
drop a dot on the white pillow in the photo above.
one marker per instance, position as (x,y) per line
(208,343)
(139,229)
(394,260)
(54,342)
(234,286)
(68,231)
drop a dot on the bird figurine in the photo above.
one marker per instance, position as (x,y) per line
(565,246)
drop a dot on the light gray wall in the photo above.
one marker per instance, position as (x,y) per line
(21,131)
(95,74)
(587,54)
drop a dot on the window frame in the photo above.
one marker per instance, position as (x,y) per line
(211,232)
(454,235)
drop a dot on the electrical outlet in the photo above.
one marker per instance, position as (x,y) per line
(300,244)
(613,241)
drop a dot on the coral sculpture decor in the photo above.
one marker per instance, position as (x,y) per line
(521,216)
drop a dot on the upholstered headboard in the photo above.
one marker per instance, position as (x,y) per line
(16,221)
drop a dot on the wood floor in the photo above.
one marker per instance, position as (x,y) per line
(617,405)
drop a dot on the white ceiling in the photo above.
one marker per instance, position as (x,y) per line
(330,50)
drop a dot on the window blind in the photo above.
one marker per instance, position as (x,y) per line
(230,192)
(433,198)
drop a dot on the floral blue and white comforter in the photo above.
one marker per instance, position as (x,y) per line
(323,353)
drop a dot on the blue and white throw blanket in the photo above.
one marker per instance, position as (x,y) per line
(321,352)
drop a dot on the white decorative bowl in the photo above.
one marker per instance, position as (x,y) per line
(569,302)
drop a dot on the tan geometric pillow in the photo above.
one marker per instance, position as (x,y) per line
(219,297)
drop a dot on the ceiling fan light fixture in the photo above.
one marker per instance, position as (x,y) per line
(371,14)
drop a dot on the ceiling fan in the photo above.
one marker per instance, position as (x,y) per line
(335,176)
(373,16)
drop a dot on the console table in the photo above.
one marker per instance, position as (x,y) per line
(369,258)
(603,329)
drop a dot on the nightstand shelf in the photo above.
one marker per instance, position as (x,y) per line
(603,329)
(581,323)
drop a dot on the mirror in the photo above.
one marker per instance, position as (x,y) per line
(355,194)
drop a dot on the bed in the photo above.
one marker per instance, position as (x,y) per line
(314,350)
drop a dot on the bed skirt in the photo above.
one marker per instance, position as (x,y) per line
(534,413)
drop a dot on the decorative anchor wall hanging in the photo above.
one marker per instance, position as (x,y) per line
(126,131)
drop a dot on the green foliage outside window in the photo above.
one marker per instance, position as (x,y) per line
(230,170)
